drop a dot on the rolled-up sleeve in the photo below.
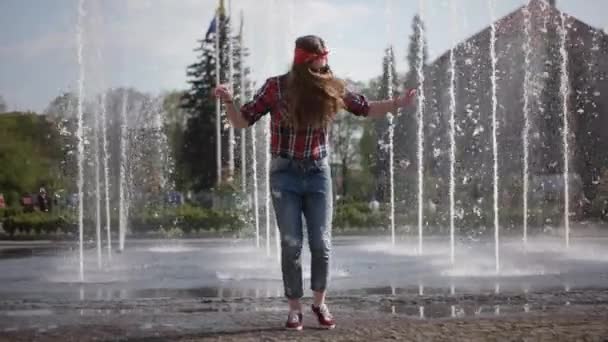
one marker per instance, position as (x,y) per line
(356,103)
(262,102)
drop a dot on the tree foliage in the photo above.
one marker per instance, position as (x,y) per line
(3,106)
(32,154)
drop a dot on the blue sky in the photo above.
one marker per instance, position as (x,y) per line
(147,44)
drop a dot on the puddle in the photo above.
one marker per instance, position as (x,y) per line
(444,311)
(27,313)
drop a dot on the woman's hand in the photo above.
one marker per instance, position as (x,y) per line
(378,109)
(407,98)
(232,110)
(223,93)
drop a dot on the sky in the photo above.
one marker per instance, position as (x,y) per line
(147,44)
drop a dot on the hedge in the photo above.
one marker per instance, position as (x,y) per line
(187,219)
(37,223)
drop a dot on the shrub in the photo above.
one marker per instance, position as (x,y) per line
(357,215)
(189,219)
(37,223)
(170,222)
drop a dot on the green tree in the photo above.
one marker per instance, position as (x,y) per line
(368,145)
(344,136)
(3,106)
(63,107)
(31,155)
(176,119)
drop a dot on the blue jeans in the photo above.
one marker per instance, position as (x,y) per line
(303,187)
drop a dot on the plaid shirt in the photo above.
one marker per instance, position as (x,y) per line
(286,142)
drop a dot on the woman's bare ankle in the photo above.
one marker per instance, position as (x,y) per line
(318,298)
(295,305)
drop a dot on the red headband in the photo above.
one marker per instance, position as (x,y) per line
(302,56)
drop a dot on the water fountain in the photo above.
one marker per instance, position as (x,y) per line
(391,141)
(273,22)
(243,157)
(527,48)
(97,165)
(452,134)
(389,56)
(494,132)
(254,180)
(231,88)
(158,143)
(242,97)
(266,129)
(122,185)
(106,170)
(80,133)
(420,117)
(565,94)
(266,122)
(254,140)
(218,104)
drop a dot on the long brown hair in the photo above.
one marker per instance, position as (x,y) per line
(313,96)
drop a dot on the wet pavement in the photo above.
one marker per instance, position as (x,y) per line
(262,318)
(226,289)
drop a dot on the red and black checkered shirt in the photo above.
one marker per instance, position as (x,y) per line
(286,142)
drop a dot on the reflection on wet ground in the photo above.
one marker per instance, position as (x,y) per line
(215,314)
(431,311)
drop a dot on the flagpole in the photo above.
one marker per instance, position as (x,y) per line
(218,109)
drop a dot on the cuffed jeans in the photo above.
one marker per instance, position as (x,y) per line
(303,187)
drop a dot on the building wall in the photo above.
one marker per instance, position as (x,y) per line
(588,115)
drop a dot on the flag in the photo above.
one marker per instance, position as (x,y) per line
(241,26)
(212,27)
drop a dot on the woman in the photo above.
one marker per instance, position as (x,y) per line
(303,103)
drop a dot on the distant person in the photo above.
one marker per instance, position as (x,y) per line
(303,104)
(174,198)
(374,205)
(44,203)
(72,200)
(2,201)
